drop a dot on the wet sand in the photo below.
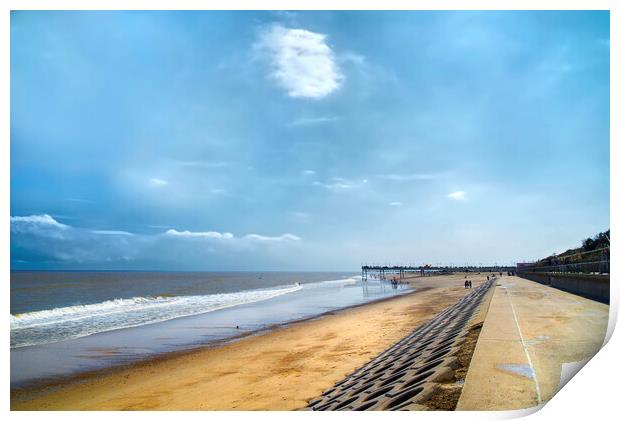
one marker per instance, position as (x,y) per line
(278,370)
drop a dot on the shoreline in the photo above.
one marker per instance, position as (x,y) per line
(59,381)
(431,294)
(120,333)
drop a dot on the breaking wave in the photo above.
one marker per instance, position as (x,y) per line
(45,326)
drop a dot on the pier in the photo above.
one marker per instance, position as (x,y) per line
(382,270)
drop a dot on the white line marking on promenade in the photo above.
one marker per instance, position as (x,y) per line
(527,354)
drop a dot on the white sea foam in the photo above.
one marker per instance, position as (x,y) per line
(58,324)
(332,283)
(347,281)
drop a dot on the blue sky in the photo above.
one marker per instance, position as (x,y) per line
(305,140)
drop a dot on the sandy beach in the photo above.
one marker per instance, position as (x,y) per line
(278,370)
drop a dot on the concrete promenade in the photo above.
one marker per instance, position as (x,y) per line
(530,330)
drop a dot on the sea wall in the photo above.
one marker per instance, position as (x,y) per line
(594,287)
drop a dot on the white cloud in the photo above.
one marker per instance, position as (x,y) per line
(457,195)
(230,236)
(339,184)
(36,221)
(205,234)
(283,237)
(158,182)
(112,232)
(312,121)
(301,62)
(309,172)
(395,203)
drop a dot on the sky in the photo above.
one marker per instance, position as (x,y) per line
(305,140)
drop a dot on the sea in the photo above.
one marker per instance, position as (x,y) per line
(66,323)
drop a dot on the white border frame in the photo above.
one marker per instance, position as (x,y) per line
(589,395)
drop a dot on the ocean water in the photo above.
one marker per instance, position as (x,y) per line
(63,323)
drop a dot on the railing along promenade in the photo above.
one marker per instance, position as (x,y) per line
(579,273)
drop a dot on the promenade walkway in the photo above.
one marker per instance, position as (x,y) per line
(530,330)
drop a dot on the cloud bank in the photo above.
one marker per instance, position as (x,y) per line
(34,222)
(42,239)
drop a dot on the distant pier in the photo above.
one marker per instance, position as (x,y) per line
(382,270)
